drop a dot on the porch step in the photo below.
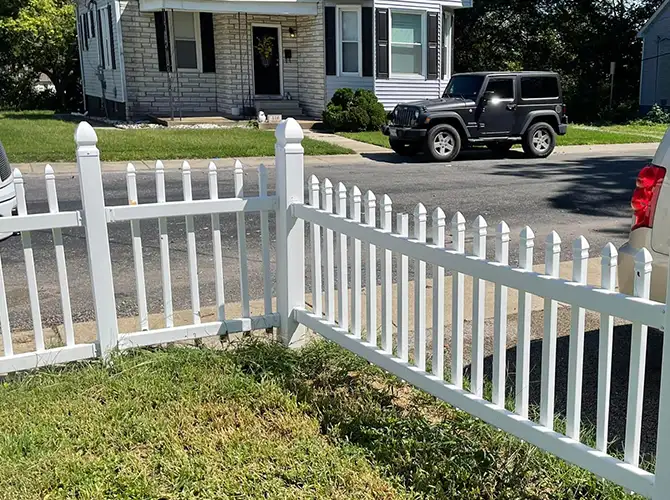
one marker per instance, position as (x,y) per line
(282,107)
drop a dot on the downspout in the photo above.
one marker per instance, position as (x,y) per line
(81,60)
(168,60)
(176,69)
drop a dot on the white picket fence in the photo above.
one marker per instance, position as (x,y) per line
(347,249)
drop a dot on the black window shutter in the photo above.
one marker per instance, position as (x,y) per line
(433,46)
(368,42)
(84,33)
(162,42)
(207,39)
(112,48)
(383,44)
(331,41)
(101,44)
(92,25)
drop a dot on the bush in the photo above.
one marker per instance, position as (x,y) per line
(657,115)
(350,111)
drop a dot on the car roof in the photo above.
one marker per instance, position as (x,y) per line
(510,73)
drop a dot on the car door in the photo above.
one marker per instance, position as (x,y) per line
(498,104)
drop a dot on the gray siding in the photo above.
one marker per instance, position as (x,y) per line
(655,76)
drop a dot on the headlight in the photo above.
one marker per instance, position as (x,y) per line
(416,114)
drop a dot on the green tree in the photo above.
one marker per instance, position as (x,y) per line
(39,36)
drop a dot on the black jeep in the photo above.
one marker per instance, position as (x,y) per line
(495,109)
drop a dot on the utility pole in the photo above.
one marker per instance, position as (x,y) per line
(612,69)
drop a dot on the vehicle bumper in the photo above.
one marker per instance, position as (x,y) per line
(404,133)
(563,129)
(659,272)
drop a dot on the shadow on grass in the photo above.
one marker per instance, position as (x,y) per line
(619,383)
(431,448)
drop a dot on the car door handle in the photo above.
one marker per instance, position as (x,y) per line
(511,107)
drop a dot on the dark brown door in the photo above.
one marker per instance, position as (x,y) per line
(267,70)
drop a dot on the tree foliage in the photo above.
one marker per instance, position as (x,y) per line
(577,38)
(38,36)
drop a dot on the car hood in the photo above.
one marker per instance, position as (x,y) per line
(441,104)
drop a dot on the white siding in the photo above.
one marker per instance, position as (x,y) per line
(113,78)
(655,77)
(353,82)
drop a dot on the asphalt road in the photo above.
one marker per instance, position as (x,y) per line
(573,194)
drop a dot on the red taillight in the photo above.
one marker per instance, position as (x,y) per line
(565,110)
(645,196)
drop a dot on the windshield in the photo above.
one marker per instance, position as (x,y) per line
(465,86)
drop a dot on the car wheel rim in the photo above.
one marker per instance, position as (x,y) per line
(444,144)
(541,140)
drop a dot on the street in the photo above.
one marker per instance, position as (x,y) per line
(571,193)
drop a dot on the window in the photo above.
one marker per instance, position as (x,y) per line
(502,88)
(465,86)
(539,87)
(187,50)
(349,33)
(407,43)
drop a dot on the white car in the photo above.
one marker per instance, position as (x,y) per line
(7,192)
(651,224)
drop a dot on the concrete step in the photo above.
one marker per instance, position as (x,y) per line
(279,107)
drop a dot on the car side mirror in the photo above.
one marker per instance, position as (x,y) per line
(488,95)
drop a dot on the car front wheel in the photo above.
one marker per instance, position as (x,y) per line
(539,141)
(443,142)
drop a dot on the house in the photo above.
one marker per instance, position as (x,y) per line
(168,58)
(655,73)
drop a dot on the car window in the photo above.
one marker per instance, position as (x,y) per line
(466,86)
(539,87)
(502,88)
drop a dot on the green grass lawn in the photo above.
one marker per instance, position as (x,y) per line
(259,421)
(38,137)
(577,135)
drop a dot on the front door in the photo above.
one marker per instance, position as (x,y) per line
(498,113)
(267,62)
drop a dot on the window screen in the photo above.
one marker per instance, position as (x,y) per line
(538,87)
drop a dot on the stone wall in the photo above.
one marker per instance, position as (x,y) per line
(149,89)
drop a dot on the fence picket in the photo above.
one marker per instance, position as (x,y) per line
(329,254)
(356,267)
(138,259)
(191,246)
(242,241)
(438,220)
(402,226)
(342,261)
(420,217)
(220,294)
(315,260)
(608,282)
(552,261)
(7,345)
(458,292)
(523,338)
(478,310)
(386,219)
(500,320)
(371,270)
(166,280)
(265,241)
(28,256)
(57,233)
(580,252)
(638,357)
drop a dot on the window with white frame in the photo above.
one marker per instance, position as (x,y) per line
(349,34)
(407,43)
(185,29)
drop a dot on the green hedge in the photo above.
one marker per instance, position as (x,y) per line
(350,111)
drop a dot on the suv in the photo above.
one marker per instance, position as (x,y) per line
(495,109)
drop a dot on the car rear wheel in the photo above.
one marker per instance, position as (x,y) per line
(539,141)
(443,142)
(405,148)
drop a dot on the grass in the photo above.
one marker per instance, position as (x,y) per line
(577,135)
(39,137)
(260,421)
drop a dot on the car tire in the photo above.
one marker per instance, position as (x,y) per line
(443,143)
(539,141)
(499,147)
(405,148)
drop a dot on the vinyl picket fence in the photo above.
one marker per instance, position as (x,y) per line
(346,254)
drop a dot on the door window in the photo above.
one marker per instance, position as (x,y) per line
(502,88)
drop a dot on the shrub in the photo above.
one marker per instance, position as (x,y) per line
(657,115)
(350,111)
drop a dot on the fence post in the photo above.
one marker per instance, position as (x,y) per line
(97,239)
(662,478)
(290,231)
